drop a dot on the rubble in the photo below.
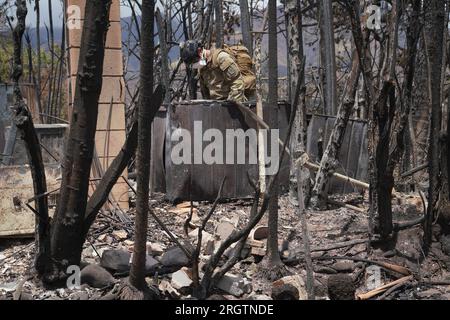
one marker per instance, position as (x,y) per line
(181,280)
(261,297)
(116,260)
(234,285)
(225,227)
(343,266)
(289,288)
(166,288)
(120,234)
(207,238)
(174,281)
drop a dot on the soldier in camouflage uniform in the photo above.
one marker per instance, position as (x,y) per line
(219,75)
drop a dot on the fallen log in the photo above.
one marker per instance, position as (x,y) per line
(414,170)
(375,292)
(304,161)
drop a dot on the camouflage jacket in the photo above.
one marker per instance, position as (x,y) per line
(221,78)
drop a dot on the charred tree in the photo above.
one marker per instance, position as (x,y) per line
(330,160)
(119,164)
(24,122)
(434,27)
(275,266)
(67,230)
(296,66)
(218,10)
(328,56)
(137,273)
(245,25)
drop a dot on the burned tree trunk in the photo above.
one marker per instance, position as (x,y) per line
(163,50)
(218,10)
(66,236)
(245,25)
(137,273)
(328,56)
(329,160)
(296,66)
(24,122)
(273,259)
(381,173)
(412,39)
(115,170)
(434,26)
(384,182)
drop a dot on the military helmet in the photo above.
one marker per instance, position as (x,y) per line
(189,51)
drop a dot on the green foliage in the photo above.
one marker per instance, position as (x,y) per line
(6,54)
(6,59)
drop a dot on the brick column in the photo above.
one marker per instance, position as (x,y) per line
(111,132)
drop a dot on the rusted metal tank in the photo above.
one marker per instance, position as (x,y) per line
(200,180)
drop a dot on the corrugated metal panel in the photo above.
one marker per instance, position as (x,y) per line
(353,155)
(205,178)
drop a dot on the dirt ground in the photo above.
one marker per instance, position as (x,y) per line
(338,227)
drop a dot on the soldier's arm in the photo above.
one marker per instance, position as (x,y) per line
(232,75)
(204,89)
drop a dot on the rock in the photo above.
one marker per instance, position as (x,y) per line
(326,270)
(289,288)
(244,252)
(341,287)
(233,284)
(207,238)
(151,264)
(154,249)
(174,257)
(120,234)
(224,228)
(2,257)
(181,280)
(343,266)
(116,260)
(129,244)
(96,276)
